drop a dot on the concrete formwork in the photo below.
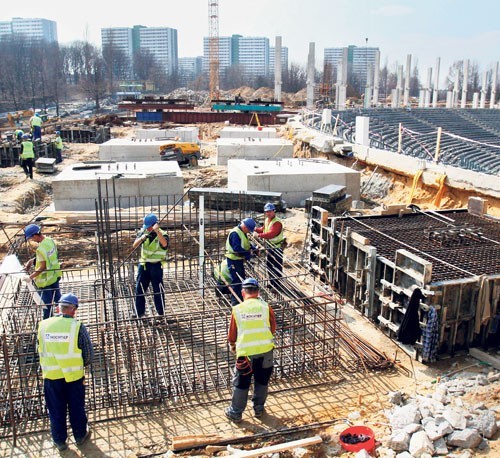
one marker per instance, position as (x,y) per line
(248,132)
(296,179)
(75,188)
(184,134)
(127,149)
(257,148)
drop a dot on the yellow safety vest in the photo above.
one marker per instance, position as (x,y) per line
(58,142)
(152,251)
(245,244)
(254,328)
(36,121)
(221,273)
(28,151)
(60,356)
(278,240)
(47,251)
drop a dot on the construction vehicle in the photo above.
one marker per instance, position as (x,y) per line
(15,118)
(184,153)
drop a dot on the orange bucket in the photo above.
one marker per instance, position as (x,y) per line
(365,431)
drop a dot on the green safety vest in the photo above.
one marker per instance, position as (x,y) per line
(17,132)
(221,273)
(60,356)
(36,121)
(254,328)
(58,142)
(278,240)
(245,244)
(152,251)
(28,151)
(47,251)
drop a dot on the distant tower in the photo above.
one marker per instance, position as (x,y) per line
(406,97)
(376,71)
(310,77)
(465,84)
(277,69)
(436,84)
(494,85)
(213,47)
(484,89)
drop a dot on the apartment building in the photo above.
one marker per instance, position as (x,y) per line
(36,29)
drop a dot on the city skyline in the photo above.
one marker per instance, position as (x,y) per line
(450,29)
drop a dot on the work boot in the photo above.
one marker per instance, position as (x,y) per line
(61,446)
(232,416)
(258,412)
(82,440)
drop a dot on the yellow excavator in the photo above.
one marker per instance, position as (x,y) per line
(16,118)
(185,153)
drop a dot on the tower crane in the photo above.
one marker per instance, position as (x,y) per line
(213,47)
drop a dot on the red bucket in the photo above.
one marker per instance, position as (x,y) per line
(367,445)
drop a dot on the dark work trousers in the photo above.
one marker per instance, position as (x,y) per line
(27,165)
(63,397)
(58,155)
(37,133)
(50,295)
(151,273)
(274,263)
(262,369)
(237,272)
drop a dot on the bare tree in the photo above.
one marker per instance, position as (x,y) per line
(295,78)
(94,70)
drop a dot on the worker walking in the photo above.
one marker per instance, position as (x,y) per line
(65,348)
(239,249)
(36,126)
(154,245)
(58,143)
(27,155)
(251,339)
(272,233)
(47,268)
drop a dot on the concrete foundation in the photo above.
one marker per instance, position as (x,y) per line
(75,188)
(248,132)
(183,134)
(127,149)
(258,148)
(296,179)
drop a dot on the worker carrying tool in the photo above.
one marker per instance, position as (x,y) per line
(273,233)
(27,155)
(238,250)
(154,248)
(47,268)
(65,348)
(251,339)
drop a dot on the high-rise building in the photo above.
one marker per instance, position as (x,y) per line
(226,49)
(359,59)
(119,40)
(284,60)
(254,57)
(189,69)
(161,42)
(35,29)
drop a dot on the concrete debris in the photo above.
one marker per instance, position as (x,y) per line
(420,444)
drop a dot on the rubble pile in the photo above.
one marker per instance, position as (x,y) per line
(441,422)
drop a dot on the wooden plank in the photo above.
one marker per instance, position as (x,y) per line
(279,447)
(181,442)
(485,357)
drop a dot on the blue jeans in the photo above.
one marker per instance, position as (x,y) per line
(63,397)
(37,132)
(151,273)
(50,295)
(58,155)
(237,272)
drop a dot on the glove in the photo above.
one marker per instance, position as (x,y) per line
(26,279)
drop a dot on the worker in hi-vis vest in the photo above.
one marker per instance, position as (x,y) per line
(272,233)
(154,245)
(47,268)
(27,155)
(65,349)
(251,339)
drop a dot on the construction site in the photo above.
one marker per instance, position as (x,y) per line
(390,214)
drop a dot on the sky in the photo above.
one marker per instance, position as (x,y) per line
(450,29)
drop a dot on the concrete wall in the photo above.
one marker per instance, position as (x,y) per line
(405,165)
(129,150)
(259,148)
(296,179)
(248,132)
(184,134)
(76,190)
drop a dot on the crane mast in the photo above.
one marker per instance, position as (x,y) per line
(213,48)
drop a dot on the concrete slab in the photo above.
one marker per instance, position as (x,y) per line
(75,188)
(128,149)
(296,179)
(184,134)
(248,132)
(253,148)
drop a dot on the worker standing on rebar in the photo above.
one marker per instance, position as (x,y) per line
(27,155)
(47,268)
(36,126)
(65,348)
(251,339)
(154,245)
(223,277)
(272,233)
(238,250)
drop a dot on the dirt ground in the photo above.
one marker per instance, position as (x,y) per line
(330,398)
